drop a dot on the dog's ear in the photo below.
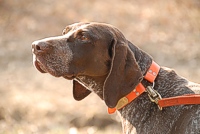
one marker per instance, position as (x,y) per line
(124,74)
(73,27)
(66,30)
(79,91)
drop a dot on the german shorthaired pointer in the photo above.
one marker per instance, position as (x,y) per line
(98,58)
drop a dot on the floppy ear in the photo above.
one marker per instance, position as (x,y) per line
(124,74)
(79,91)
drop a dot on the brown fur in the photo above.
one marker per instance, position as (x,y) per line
(100,59)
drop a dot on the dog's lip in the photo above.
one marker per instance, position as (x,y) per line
(41,68)
(69,77)
(38,66)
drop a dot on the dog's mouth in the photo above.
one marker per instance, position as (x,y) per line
(39,66)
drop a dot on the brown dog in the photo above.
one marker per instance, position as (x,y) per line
(98,58)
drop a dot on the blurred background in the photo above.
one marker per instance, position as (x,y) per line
(35,103)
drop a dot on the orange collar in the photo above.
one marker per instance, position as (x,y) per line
(150,76)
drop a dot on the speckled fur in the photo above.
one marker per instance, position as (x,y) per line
(148,119)
(60,58)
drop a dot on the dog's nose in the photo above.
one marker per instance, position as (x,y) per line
(38,46)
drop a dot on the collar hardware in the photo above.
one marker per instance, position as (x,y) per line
(150,76)
(154,96)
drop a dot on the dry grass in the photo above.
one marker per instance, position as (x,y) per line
(34,103)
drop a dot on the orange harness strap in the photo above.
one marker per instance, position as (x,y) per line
(152,72)
(150,76)
(180,100)
(162,102)
(128,98)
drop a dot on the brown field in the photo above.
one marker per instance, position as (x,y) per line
(35,103)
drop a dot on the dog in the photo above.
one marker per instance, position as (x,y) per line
(98,58)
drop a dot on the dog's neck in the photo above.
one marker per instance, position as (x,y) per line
(143,59)
(94,84)
(137,113)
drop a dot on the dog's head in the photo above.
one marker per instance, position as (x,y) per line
(90,49)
